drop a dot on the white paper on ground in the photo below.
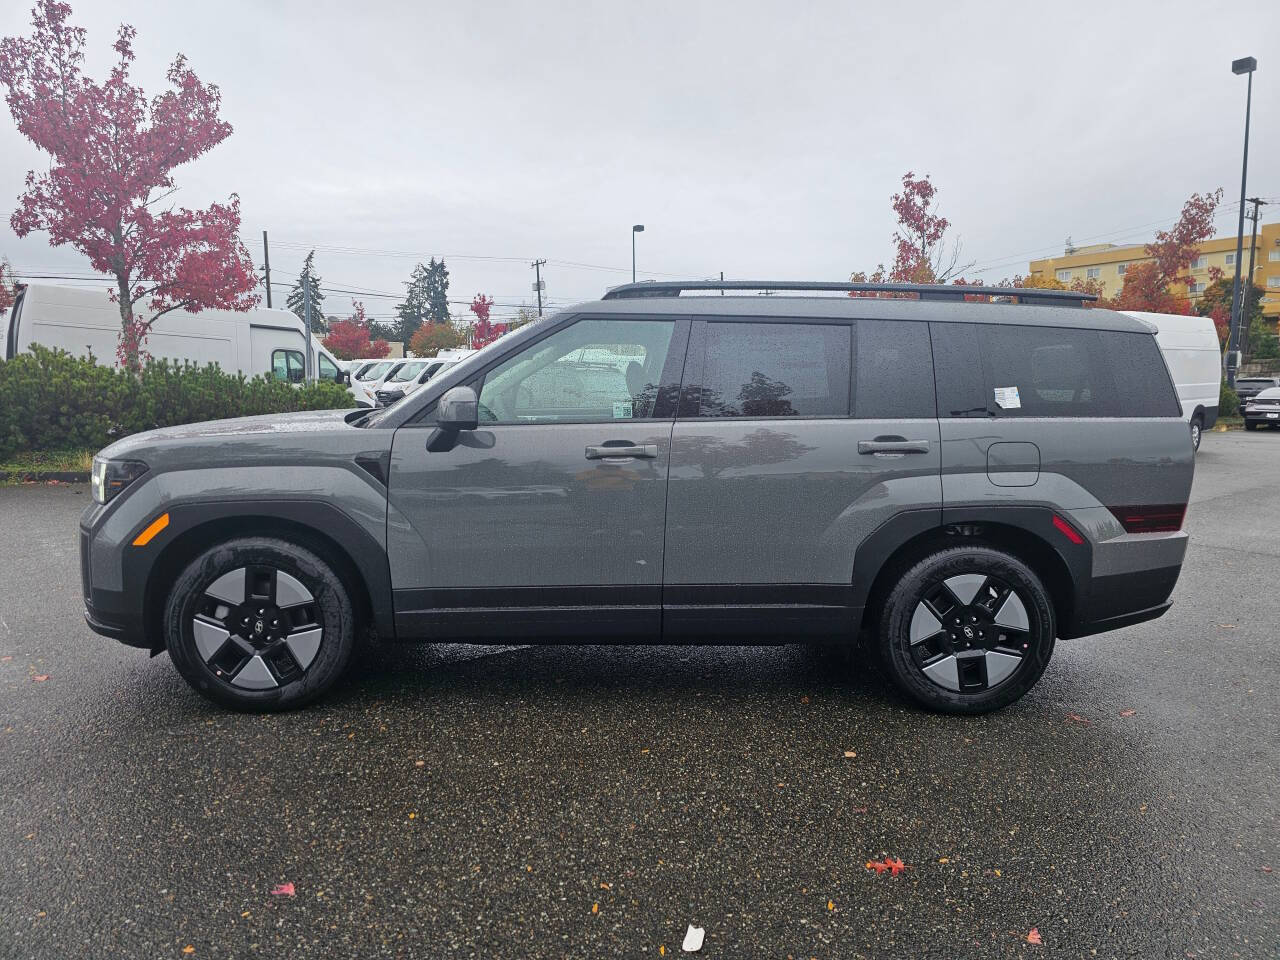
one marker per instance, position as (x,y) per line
(1007,398)
(693,939)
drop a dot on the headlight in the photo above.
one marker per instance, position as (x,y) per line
(109,477)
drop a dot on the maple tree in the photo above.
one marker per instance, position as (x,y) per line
(112,153)
(349,339)
(1155,285)
(484,332)
(429,340)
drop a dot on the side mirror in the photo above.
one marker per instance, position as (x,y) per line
(344,378)
(458,410)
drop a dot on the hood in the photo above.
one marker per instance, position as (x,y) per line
(278,425)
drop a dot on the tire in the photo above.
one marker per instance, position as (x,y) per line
(1251,424)
(1197,428)
(1001,606)
(259,624)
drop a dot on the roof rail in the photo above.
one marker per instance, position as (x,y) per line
(925,291)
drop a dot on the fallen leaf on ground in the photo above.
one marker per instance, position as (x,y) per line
(1266,869)
(419,763)
(804,699)
(1034,936)
(1079,719)
(282,890)
(850,753)
(831,904)
(40,678)
(1128,713)
(5,659)
(892,864)
(605,886)
(188,949)
(595,908)
(662,951)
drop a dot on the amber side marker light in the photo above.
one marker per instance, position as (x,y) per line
(153,528)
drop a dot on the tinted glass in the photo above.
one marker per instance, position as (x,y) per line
(957,364)
(1143,386)
(592,371)
(775,370)
(1047,372)
(894,371)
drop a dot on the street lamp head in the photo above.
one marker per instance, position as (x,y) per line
(638,228)
(1244,65)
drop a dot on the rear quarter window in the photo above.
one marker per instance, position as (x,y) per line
(1047,372)
(1143,385)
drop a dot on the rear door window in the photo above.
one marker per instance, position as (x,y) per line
(774,370)
(957,364)
(1046,372)
(893,376)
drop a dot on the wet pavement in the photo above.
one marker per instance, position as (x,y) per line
(593,801)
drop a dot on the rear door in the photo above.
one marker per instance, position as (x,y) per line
(794,441)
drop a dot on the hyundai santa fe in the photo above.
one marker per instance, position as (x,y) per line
(955,484)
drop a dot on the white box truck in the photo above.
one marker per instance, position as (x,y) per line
(84,321)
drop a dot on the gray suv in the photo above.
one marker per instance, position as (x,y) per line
(957,483)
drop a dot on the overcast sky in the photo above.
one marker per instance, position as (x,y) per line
(761,139)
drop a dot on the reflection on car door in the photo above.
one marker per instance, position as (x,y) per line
(547,520)
(783,460)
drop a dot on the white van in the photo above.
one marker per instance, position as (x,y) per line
(84,321)
(1191,351)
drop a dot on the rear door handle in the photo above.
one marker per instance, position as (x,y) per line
(893,446)
(645,451)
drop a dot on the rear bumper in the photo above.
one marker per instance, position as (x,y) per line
(1122,600)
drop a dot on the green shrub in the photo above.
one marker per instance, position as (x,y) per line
(50,400)
(1228,401)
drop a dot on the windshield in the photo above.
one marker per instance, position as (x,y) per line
(372,371)
(407,372)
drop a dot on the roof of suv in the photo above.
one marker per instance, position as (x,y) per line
(653,299)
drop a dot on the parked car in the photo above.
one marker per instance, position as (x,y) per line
(365,374)
(959,484)
(1194,357)
(395,382)
(1249,387)
(84,321)
(392,393)
(366,390)
(1262,409)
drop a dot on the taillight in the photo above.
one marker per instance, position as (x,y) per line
(1151,518)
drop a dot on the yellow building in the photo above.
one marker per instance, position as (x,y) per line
(1107,262)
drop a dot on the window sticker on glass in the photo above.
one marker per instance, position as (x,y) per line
(622,410)
(1007,398)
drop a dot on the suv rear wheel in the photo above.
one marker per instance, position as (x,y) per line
(967,630)
(1197,428)
(259,623)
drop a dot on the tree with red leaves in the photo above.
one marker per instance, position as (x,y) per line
(112,152)
(483,332)
(921,253)
(349,339)
(1149,285)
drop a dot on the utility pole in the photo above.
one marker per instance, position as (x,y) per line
(306,309)
(1248,280)
(537,283)
(266,262)
(722,281)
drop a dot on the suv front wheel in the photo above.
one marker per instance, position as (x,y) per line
(967,630)
(259,623)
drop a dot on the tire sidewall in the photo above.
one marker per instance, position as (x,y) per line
(895,639)
(326,587)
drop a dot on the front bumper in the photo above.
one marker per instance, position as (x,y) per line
(107,612)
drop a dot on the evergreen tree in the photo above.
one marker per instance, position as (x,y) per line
(437,292)
(297,296)
(412,313)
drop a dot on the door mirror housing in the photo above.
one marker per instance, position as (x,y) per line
(458,409)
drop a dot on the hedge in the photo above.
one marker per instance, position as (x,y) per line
(50,400)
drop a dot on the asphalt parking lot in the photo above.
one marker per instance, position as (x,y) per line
(588,802)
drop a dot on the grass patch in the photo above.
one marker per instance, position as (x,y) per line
(35,461)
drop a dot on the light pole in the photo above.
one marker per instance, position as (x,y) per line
(638,228)
(1244,65)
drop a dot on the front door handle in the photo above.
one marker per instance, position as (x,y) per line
(619,451)
(896,445)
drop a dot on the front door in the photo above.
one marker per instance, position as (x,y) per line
(547,521)
(794,442)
